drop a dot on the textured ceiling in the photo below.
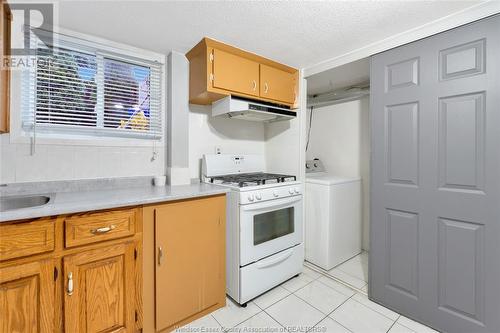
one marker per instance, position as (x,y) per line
(298,33)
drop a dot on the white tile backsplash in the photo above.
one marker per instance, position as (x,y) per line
(87,163)
(112,162)
(30,167)
(7,163)
(67,162)
(60,162)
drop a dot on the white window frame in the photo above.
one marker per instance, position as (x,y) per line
(20,135)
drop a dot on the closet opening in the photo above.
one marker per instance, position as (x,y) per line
(337,202)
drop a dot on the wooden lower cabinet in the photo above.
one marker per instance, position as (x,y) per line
(27,297)
(187,261)
(48,286)
(99,290)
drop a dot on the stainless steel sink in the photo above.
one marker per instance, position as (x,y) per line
(25,201)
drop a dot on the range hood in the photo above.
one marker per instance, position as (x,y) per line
(247,109)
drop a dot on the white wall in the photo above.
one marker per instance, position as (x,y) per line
(177,101)
(66,162)
(285,144)
(340,138)
(62,158)
(232,136)
(192,132)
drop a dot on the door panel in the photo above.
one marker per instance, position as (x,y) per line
(435,234)
(461,268)
(402,252)
(103,290)
(403,74)
(277,84)
(463,60)
(27,298)
(234,73)
(461,141)
(190,262)
(402,143)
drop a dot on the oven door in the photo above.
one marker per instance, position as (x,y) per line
(269,227)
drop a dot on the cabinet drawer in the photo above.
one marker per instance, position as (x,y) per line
(96,227)
(26,238)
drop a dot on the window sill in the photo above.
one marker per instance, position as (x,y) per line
(82,140)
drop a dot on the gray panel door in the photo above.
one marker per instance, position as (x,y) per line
(435,201)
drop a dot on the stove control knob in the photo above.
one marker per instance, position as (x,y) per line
(275,194)
(250,198)
(296,191)
(258,196)
(291,191)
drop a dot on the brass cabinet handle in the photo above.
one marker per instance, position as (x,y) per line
(254,85)
(102,230)
(160,255)
(70,284)
(266,88)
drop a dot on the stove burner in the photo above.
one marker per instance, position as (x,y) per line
(252,179)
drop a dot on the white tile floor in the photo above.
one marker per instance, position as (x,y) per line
(311,302)
(354,271)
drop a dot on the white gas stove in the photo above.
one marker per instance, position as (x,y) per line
(264,243)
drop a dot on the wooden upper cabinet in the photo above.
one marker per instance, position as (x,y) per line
(217,70)
(277,84)
(189,259)
(225,65)
(5,20)
(99,292)
(27,297)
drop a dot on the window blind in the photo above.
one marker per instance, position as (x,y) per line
(84,90)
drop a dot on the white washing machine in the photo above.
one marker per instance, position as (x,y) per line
(333,217)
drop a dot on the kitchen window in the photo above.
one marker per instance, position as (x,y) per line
(84,90)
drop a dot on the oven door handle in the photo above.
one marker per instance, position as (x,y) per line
(277,203)
(273,261)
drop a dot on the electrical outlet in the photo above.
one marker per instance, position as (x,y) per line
(218,150)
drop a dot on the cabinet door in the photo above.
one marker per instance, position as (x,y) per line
(234,73)
(99,290)
(277,85)
(27,297)
(190,259)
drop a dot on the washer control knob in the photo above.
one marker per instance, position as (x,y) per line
(258,196)
(251,198)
